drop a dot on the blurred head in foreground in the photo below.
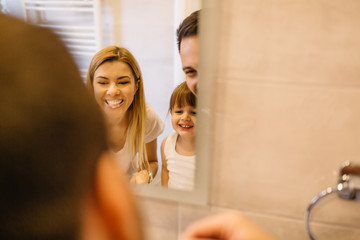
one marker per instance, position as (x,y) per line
(57,178)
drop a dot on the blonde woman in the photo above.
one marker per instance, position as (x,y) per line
(114,78)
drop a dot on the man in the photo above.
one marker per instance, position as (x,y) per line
(188,45)
(57,178)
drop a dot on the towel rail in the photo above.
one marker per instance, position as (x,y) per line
(56,2)
(80,41)
(83,38)
(348,188)
(76,47)
(59,9)
(83,53)
(75,35)
(69,27)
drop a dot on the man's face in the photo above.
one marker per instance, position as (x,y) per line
(189,57)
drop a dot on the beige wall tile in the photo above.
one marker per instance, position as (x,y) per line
(277,146)
(160,219)
(286,115)
(190,213)
(302,41)
(288,228)
(331,232)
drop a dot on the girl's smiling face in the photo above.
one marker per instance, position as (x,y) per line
(114,88)
(183,120)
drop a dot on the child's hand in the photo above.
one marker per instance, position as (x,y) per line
(141,177)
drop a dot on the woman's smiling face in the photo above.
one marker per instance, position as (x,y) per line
(114,88)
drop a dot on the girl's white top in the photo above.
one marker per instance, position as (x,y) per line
(181,168)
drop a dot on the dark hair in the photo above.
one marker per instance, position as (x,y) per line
(182,96)
(51,135)
(189,27)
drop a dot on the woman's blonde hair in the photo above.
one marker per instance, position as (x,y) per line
(137,111)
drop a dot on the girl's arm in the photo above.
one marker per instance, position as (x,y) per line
(164,170)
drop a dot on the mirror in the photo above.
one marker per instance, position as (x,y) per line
(147,29)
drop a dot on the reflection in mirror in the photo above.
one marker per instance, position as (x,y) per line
(147,29)
(167,64)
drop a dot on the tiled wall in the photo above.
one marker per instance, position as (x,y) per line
(287,113)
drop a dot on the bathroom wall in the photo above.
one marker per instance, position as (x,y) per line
(287,113)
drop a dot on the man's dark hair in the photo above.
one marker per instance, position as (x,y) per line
(189,27)
(51,135)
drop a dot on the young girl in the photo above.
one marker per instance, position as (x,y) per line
(178,149)
(115,80)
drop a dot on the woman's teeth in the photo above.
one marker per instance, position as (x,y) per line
(185,126)
(114,103)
